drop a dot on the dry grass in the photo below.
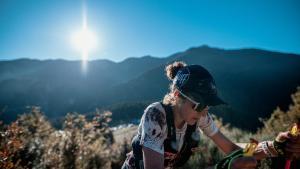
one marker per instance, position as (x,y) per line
(32,142)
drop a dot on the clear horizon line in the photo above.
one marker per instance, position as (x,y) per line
(204,45)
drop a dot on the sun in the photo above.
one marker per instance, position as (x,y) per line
(84,41)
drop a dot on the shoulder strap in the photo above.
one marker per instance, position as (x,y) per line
(184,154)
(171,138)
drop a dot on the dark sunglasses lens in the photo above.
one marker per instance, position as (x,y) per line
(200,108)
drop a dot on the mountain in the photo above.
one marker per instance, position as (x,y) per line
(59,86)
(252,81)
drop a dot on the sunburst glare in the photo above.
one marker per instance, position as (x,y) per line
(84,40)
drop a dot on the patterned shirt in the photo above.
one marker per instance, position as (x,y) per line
(153,128)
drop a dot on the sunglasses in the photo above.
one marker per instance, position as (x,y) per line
(197,106)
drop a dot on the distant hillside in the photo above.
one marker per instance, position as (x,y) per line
(252,81)
(59,86)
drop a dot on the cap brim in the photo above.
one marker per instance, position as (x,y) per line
(212,100)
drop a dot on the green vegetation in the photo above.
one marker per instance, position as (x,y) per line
(32,142)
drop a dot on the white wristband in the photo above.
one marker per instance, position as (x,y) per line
(266,149)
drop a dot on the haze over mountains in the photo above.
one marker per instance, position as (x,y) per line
(253,82)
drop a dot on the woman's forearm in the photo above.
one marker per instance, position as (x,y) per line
(152,159)
(226,145)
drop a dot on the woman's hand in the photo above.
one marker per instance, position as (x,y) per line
(292,146)
(244,163)
(283,136)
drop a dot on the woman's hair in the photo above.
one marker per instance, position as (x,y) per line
(171,71)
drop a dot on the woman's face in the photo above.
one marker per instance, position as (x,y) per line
(190,115)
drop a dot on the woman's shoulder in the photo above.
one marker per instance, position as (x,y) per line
(155,112)
(156,107)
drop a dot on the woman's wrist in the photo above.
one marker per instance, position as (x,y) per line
(272,149)
(267,148)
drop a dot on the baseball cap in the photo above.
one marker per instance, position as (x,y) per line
(196,83)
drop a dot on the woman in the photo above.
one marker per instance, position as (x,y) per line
(169,131)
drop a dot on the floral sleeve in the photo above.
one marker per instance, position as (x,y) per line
(153,128)
(207,125)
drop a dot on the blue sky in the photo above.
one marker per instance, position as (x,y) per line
(133,28)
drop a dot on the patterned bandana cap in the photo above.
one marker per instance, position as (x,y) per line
(181,77)
(197,83)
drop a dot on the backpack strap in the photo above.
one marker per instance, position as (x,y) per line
(184,154)
(170,142)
